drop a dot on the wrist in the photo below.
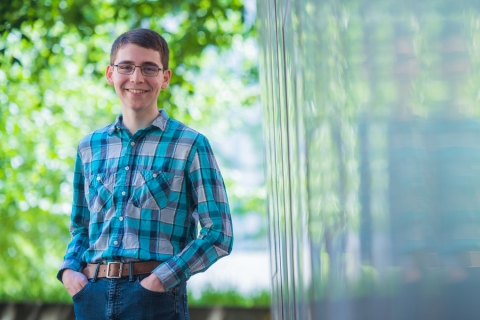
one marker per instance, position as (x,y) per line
(64,273)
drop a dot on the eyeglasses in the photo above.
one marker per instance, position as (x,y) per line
(147,70)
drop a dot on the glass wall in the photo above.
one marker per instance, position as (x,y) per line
(372,133)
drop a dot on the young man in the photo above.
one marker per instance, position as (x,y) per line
(141,186)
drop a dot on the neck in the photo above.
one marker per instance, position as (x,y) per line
(136,120)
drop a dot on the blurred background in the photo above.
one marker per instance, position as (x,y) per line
(372,131)
(53,55)
(368,112)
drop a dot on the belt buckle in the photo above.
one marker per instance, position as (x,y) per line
(120,269)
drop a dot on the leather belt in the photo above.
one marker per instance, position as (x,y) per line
(115,270)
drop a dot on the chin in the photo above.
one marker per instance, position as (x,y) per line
(139,108)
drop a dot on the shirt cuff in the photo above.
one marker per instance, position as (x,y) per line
(68,264)
(170,273)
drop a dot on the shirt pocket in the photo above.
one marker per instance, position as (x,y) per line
(152,189)
(99,190)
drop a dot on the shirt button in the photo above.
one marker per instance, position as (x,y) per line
(115,242)
(98,178)
(121,218)
(132,144)
(154,175)
(123,193)
(126,168)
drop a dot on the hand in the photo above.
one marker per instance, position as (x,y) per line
(152,283)
(74,281)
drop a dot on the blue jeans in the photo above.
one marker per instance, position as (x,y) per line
(122,299)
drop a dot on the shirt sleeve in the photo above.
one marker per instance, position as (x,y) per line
(79,221)
(209,198)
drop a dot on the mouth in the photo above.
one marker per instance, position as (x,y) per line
(136,90)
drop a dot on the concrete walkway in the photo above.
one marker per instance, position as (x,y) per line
(34,311)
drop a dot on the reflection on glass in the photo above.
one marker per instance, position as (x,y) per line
(372,131)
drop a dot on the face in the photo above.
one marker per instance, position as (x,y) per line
(137,92)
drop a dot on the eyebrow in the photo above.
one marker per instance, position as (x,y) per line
(143,64)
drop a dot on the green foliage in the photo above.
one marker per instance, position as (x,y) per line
(74,36)
(52,92)
(230,297)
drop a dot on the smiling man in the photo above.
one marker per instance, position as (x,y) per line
(141,186)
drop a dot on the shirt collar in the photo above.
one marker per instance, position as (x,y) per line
(160,122)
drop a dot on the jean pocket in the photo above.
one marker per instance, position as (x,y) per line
(145,290)
(79,294)
(148,304)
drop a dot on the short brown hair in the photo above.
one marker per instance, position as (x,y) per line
(145,38)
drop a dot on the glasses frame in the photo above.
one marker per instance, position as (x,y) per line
(141,69)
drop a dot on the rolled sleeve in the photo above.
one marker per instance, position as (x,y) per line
(210,201)
(79,221)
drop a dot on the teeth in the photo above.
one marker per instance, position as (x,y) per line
(136,91)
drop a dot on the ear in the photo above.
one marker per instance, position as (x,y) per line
(167,75)
(109,74)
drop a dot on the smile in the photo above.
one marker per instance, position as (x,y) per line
(136,90)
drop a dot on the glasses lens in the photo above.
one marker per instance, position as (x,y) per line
(124,68)
(150,70)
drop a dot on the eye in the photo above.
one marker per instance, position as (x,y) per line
(150,69)
(125,67)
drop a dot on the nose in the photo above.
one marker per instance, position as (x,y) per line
(136,76)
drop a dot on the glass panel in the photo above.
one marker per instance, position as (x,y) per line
(372,136)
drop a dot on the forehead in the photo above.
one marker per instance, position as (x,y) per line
(137,55)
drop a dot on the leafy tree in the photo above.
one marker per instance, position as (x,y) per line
(52,92)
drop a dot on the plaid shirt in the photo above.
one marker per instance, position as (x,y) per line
(140,198)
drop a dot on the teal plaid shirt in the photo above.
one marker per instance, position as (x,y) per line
(141,197)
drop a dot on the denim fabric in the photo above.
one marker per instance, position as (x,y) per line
(122,299)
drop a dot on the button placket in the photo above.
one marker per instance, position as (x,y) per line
(128,157)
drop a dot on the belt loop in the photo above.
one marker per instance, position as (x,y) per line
(96,273)
(130,271)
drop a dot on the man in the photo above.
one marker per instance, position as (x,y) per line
(141,186)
